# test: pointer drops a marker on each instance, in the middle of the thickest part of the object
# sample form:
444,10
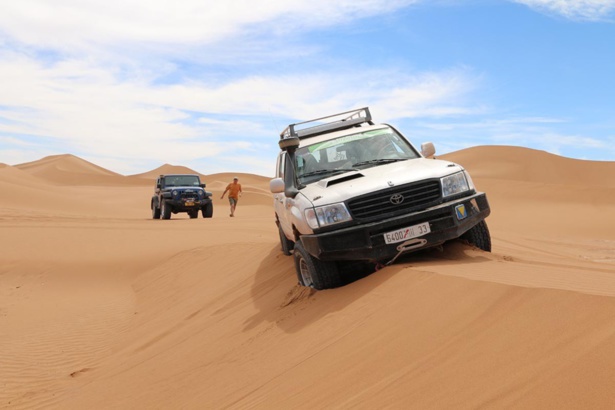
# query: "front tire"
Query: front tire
208,210
155,211
165,210
286,244
313,272
193,214
479,236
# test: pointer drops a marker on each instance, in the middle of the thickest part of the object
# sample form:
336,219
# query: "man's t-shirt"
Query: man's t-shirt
233,190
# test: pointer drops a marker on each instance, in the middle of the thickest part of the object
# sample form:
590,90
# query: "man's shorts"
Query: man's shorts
232,201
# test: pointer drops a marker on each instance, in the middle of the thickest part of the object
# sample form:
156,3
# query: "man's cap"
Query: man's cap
236,178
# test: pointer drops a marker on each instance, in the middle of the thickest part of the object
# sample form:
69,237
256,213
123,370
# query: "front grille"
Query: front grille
379,204
189,195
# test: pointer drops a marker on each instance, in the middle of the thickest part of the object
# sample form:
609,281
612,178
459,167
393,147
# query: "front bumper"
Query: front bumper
366,242
187,205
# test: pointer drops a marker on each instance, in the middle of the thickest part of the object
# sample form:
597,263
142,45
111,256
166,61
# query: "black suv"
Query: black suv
181,193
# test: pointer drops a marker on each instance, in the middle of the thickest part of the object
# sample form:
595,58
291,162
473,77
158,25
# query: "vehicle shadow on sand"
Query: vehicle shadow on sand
280,301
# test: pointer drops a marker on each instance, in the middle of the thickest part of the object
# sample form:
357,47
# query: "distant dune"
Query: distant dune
68,169
166,169
524,164
103,307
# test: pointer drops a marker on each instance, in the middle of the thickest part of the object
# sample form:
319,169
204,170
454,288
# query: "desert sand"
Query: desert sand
102,307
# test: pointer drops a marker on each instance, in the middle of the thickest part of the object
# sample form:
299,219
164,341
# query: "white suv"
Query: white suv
348,190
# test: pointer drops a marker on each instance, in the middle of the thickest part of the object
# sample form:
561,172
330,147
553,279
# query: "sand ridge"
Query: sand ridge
103,307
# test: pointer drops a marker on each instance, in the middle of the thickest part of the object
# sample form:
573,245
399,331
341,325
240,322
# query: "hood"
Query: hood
342,187
183,188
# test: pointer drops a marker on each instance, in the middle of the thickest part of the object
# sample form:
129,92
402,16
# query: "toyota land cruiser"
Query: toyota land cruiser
347,189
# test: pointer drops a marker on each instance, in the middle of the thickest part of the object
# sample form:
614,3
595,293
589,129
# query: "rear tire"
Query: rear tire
165,210
208,210
479,236
286,244
313,272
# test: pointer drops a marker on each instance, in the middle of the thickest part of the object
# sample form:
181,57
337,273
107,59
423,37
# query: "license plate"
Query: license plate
189,203
407,233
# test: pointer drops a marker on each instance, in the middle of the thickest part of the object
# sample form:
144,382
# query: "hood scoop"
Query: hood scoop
343,178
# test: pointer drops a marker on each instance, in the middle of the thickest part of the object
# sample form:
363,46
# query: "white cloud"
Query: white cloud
82,104
134,84
590,10
70,24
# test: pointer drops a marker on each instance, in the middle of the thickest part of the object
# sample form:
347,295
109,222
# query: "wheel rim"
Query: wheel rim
306,277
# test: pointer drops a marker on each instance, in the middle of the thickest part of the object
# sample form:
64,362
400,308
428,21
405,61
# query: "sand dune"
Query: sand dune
102,307
528,165
71,170
166,169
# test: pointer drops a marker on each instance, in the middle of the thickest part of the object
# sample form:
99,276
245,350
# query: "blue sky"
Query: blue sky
210,85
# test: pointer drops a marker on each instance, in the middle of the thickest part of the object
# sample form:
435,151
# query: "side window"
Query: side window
281,164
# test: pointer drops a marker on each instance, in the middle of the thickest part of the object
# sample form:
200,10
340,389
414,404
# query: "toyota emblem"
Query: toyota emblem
396,199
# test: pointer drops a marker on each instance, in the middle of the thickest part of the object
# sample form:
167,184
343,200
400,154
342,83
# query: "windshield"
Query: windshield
351,152
181,180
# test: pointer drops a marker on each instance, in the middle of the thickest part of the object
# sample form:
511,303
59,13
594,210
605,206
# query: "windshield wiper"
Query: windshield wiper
379,161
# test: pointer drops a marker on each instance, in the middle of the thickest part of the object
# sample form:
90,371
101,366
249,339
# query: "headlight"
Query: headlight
322,216
201,194
174,193
454,184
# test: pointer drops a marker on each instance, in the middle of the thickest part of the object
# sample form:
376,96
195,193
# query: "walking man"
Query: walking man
234,192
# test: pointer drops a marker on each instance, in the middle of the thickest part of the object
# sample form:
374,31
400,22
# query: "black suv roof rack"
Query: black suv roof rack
354,119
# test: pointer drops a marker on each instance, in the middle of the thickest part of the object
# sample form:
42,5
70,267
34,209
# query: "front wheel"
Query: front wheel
165,210
313,272
193,214
155,211
208,210
479,236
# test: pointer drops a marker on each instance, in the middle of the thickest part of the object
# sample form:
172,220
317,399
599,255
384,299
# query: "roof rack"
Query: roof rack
356,118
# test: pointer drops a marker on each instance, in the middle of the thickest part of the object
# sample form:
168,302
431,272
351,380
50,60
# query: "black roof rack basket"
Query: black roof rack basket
349,119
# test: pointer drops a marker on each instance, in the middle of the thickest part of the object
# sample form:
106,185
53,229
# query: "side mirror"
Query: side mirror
276,186
202,185
428,150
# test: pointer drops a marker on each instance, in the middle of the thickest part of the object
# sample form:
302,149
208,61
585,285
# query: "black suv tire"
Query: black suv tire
155,211
208,210
165,210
